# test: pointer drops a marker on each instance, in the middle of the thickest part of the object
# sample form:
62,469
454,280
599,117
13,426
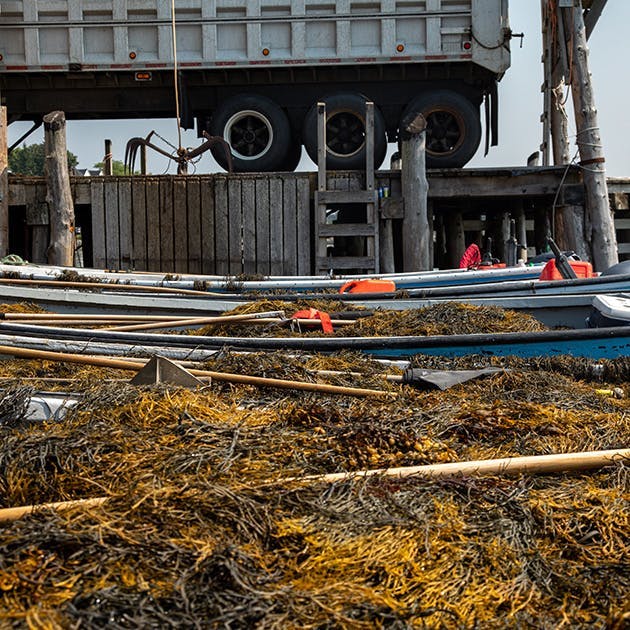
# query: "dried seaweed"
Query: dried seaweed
449,318
200,531
21,307
14,403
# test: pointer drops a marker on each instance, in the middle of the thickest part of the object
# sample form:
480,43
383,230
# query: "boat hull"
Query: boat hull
595,343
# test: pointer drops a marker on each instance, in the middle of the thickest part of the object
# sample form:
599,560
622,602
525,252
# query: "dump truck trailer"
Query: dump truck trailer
252,71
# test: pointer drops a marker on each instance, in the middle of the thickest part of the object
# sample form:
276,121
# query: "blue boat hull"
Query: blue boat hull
596,343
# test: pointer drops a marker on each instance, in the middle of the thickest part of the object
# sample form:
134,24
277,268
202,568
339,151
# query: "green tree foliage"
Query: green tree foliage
29,160
118,168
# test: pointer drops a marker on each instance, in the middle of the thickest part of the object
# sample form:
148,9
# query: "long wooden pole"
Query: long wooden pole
4,183
111,286
14,513
246,319
200,321
257,381
533,464
84,317
603,237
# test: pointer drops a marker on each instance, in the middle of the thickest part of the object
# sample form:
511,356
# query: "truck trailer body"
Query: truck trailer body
252,71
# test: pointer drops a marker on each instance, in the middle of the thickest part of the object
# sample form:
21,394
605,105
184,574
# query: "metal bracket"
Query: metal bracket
162,370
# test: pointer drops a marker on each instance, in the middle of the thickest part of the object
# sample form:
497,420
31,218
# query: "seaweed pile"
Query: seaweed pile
448,318
203,526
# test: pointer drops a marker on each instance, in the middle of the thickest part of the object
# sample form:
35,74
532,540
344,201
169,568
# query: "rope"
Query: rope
176,73
555,200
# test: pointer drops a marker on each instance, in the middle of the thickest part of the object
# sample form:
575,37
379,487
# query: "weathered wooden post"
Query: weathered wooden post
455,238
388,212
59,197
107,160
555,63
603,241
521,232
417,238
4,183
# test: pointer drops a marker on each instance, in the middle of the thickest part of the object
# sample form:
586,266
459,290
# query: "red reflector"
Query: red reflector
467,45
143,76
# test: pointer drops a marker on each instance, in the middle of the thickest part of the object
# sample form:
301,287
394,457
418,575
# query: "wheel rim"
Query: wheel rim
249,133
445,131
345,134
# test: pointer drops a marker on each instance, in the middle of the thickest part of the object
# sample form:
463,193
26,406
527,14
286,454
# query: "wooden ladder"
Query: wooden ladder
324,199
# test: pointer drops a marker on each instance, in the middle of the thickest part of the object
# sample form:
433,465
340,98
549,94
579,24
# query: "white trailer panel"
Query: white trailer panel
101,35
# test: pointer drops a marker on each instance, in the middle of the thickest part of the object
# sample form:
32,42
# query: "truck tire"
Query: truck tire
453,127
293,157
257,131
345,132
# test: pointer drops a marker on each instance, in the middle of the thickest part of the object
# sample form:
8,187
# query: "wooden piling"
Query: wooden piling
59,197
417,238
603,238
455,239
107,160
570,230
4,183
521,232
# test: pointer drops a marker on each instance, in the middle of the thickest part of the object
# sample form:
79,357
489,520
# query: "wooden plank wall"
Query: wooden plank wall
244,224
219,224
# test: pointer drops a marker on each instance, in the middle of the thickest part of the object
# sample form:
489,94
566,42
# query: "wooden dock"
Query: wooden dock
263,223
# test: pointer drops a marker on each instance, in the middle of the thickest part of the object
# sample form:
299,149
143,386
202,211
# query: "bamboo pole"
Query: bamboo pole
8,515
109,286
257,381
533,464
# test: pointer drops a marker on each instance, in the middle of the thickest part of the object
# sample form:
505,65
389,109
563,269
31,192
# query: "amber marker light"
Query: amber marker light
266,52
132,55
400,47
143,76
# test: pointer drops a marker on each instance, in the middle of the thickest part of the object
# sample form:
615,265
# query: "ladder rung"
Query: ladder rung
345,196
346,229
346,262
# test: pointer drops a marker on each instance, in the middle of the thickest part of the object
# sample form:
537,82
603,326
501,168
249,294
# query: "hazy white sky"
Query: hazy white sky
519,91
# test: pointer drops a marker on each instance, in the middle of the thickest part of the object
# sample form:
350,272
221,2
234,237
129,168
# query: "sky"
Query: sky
520,102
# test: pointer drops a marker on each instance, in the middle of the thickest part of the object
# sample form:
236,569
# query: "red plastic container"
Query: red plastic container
582,268
370,285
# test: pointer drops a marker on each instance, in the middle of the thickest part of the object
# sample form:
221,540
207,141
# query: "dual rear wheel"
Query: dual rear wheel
261,138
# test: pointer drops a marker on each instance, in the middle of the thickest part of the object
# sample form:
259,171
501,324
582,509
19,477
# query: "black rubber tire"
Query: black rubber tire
453,127
345,117
257,131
